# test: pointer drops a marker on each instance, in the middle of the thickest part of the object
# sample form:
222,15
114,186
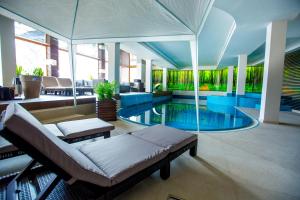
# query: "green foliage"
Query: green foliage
210,80
105,90
254,78
157,75
19,70
38,71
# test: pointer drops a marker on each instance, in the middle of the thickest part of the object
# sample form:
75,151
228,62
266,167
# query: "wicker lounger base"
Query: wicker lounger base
90,191
67,91
58,91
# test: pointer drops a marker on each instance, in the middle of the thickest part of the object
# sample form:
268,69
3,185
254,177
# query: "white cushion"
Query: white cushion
165,136
122,156
54,130
84,127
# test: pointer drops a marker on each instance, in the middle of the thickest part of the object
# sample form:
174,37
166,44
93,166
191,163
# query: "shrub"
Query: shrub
105,90
38,72
19,70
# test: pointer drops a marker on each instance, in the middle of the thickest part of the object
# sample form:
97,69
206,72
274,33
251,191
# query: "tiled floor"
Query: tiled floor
258,163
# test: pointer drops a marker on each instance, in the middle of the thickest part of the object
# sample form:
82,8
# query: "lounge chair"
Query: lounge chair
62,86
50,85
69,131
67,83
101,169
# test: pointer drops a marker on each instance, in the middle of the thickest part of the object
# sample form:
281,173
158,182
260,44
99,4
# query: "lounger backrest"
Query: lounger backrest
49,81
64,82
24,125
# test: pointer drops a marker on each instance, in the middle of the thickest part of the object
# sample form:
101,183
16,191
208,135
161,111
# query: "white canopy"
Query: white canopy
163,26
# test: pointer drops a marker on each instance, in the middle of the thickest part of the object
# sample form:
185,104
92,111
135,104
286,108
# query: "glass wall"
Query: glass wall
64,61
31,49
129,70
87,62
30,55
135,68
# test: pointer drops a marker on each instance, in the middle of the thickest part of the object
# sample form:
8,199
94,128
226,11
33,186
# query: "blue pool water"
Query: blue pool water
183,116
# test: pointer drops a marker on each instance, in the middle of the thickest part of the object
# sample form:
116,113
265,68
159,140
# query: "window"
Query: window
30,48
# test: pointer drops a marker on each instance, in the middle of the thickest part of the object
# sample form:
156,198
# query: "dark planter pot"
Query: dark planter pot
106,110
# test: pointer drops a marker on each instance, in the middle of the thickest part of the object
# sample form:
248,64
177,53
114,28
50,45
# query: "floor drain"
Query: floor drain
172,197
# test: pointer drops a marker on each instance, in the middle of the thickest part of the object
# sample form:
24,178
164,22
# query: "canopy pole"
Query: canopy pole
194,53
72,58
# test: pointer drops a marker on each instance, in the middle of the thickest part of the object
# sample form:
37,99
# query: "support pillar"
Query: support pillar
52,55
7,51
101,62
241,77
148,77
164,80
230,80
273,72
142,64
114,64
72,58
194,53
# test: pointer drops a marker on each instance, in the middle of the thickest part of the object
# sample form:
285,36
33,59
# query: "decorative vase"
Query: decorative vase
31,86
107,109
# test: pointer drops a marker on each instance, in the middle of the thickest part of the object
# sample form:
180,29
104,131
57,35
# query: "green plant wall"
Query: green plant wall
210,80
254,78
157,76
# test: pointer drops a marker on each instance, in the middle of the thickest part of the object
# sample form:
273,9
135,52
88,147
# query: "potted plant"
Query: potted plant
106,105
31,84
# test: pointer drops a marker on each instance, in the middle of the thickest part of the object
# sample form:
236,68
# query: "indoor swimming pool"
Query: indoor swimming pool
183,115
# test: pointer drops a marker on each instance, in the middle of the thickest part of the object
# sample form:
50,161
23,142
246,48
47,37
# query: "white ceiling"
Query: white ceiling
143,53
225,29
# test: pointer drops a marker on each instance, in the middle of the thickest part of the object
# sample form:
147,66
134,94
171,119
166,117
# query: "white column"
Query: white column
194,54
273,71
114,64
72,60
241,77
7,51
165,76
148,78
230,80
142,63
